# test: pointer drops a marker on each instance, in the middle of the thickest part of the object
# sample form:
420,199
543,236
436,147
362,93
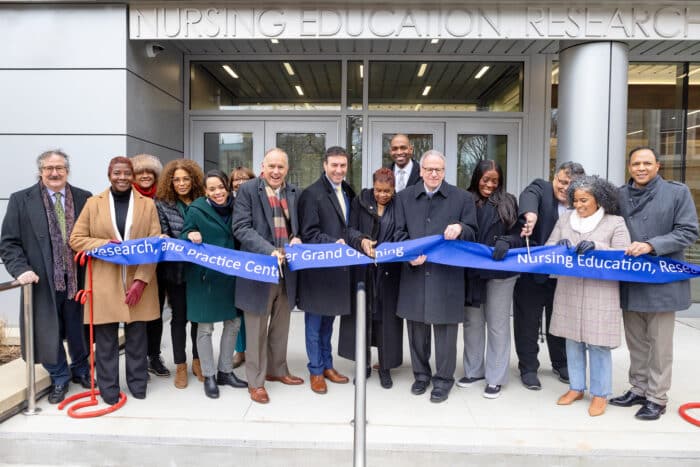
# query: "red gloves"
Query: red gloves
133,295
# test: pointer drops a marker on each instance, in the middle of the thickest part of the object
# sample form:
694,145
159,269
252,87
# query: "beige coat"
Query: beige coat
588,310
95,227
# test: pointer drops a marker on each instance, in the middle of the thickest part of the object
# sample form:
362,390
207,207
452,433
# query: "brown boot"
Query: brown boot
570,397
197,370
181,375
597,406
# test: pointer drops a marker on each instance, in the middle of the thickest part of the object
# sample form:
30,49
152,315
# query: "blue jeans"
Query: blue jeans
601,367
319,330
70,328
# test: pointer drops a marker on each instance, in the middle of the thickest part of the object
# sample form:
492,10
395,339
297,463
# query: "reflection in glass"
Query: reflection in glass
356,74
225,151
354,177
421,142
446,86
473,148
265,85
305,151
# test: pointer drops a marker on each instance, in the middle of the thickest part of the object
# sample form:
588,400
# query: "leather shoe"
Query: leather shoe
286,379
597,406
230,379
334,376
83,380
58,393
259,395
210,387
570,397
419,387
385,379
439,395
650,411
628,399
318,384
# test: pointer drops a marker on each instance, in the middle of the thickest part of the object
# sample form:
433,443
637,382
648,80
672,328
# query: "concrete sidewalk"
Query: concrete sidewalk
298,427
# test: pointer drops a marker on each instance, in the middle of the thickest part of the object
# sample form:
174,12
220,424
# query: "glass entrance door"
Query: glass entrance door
227,144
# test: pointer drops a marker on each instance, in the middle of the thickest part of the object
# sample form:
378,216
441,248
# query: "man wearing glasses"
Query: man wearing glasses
406,169
540,205
431,296
34,248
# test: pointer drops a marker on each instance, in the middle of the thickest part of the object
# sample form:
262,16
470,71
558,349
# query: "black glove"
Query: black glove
500,249
565,242
584,246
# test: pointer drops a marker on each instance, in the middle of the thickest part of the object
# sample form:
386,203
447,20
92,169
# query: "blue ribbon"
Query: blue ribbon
553,260
253,266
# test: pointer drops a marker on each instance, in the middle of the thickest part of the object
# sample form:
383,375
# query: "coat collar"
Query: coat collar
419,190
208,210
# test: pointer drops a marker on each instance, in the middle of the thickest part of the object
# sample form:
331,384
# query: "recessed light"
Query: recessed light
426,90
362,71
230,71
481,72
299,90
435,41
274,41
288,67
421,69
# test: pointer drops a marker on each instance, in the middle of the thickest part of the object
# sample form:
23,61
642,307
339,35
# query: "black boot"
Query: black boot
230,379
210,387
385,378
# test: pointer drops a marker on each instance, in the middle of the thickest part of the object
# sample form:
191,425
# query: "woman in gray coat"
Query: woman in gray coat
587,311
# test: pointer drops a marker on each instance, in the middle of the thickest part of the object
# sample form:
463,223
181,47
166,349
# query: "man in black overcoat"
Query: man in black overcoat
264,220
431,296
324,212
539,206
34,248
406,169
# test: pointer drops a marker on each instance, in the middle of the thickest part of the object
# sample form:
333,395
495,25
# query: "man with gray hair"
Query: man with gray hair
34,248
540,205
431,296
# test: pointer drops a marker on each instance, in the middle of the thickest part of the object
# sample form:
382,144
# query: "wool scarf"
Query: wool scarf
63,265
280,215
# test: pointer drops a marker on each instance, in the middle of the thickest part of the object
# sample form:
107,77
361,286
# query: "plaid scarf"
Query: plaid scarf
63,265
280,215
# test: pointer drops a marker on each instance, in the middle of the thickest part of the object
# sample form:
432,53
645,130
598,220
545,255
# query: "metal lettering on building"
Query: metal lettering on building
434,22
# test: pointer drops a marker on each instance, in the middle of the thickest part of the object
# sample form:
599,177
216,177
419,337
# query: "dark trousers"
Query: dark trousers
319,330
154,328
419,341
70,328
177,297
107,359
529,297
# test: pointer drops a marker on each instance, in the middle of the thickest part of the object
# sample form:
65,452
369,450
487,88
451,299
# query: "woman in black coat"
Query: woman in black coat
489,292
372,214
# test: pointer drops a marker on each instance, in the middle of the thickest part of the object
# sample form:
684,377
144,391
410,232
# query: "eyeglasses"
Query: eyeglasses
50,168
435,171
182,180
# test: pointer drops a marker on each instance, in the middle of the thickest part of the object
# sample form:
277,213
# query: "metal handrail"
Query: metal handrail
27,316
359,452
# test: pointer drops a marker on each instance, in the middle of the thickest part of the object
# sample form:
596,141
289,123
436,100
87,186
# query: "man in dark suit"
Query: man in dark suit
406,169
264,220
540,205
324,212
34,248
431,296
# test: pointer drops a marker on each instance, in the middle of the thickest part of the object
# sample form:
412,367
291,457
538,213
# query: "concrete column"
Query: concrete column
593,107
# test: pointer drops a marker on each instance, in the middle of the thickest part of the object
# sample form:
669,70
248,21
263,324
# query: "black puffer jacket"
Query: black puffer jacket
171,221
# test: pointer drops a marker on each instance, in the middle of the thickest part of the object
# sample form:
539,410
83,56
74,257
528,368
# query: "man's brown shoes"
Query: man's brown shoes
335,377
318,384
286,379
259,395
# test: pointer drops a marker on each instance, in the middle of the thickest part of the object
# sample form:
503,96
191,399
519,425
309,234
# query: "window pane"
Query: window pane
305,151
356,74
354,177
226,151
473,148
692,160
420,143
446,86
265,85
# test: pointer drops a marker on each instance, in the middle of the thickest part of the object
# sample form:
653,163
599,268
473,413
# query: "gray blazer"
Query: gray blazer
253,227
662,214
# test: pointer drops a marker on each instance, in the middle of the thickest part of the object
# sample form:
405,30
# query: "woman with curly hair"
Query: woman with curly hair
181,183
587,312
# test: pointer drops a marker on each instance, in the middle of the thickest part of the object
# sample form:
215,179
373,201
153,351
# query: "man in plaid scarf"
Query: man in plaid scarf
264,220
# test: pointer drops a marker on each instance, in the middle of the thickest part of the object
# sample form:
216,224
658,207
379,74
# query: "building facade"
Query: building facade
526,84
